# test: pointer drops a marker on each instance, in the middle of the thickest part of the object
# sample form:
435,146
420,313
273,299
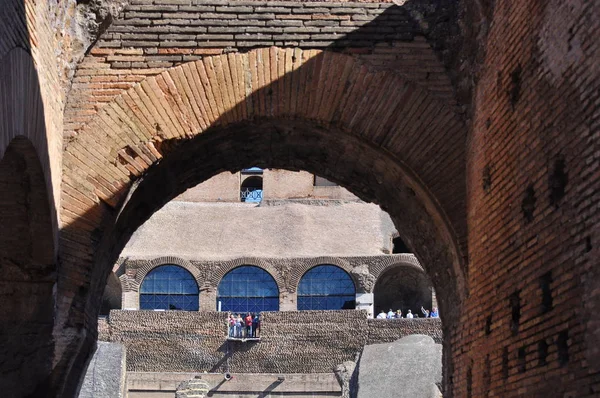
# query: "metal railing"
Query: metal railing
243,332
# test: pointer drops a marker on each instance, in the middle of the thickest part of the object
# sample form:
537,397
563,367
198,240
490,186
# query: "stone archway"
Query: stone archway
317,111
403,287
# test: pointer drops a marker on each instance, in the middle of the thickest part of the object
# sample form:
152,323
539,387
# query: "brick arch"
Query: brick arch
227,266
397,260
148,265
298,272
375,133
410,291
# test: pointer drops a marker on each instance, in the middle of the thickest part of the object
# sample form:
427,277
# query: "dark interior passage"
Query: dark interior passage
28,271
404,288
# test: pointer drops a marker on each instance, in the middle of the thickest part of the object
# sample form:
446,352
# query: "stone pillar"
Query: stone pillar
434,303
130,300
365,301
208,298
365,282
288,301
105,376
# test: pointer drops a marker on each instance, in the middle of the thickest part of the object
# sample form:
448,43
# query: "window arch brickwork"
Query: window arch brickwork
215,276
295,274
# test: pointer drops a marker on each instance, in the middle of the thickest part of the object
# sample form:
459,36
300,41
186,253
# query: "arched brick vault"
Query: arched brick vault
404,259
373,132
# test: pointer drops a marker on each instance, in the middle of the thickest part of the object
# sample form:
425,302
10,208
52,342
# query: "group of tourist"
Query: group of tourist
398,314
248,326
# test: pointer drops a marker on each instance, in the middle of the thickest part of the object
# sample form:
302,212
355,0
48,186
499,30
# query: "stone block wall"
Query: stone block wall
291,342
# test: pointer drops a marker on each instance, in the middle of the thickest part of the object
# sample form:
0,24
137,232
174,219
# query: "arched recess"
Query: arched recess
404,287
29,188
384,139
27,280
22,115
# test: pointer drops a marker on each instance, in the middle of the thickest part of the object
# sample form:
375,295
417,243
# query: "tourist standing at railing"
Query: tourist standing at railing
381,315
425,312
390,314
409,314
434,313
231,323
398,314
248,321
239,322
255,326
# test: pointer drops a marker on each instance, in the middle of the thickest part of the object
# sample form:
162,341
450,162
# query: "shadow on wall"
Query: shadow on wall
322,112
27,231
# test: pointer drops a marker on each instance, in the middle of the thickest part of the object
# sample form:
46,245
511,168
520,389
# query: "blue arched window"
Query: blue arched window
248,289
169,287
326,287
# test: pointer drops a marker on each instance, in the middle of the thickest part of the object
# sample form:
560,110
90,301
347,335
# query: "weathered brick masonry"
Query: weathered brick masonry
260,111
522,321
531,325
291,342
149,38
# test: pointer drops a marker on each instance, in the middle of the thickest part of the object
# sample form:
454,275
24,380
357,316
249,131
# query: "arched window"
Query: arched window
248,289
251,190
169,287
326,287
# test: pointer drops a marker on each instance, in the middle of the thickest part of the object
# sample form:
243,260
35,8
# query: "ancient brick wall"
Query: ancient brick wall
530,327
387,330
151,36
291,342
31,109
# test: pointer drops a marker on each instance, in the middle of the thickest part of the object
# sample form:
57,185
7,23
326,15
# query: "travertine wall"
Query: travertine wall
278,229
277,184
291,342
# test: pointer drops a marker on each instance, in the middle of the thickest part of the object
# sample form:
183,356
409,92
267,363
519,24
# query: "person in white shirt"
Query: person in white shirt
409,314
381,315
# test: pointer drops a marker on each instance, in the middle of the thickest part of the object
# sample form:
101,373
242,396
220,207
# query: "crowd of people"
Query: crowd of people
244,327
398,314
